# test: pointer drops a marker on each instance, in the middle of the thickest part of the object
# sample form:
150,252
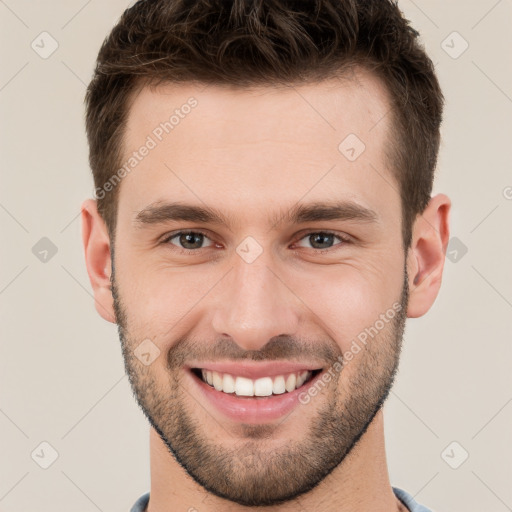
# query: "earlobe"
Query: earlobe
96,243
426,256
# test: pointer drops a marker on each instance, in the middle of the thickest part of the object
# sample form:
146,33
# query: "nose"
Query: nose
255,305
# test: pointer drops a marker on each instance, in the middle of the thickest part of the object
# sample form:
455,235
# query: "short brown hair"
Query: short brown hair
246,43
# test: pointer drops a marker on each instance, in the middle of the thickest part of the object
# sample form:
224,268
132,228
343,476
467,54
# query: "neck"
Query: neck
360,483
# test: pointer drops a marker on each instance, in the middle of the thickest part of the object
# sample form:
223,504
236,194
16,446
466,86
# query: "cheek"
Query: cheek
345,301
159,301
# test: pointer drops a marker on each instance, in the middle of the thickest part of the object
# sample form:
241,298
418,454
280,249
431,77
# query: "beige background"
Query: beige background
61,370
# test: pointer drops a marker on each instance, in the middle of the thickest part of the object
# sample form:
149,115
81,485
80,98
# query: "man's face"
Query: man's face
300,290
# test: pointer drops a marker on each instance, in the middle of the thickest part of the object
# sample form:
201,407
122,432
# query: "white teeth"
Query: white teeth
264,386
279,386
243,386
291,382
302,378
228,384
217,381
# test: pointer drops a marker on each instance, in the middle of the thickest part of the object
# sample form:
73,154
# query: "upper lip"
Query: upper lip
255,370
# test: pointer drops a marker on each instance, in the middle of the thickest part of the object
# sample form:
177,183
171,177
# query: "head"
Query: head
263,176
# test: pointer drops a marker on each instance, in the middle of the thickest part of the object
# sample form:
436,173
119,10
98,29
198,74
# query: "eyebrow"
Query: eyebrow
160,212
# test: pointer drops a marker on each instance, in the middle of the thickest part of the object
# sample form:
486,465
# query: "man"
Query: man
263,226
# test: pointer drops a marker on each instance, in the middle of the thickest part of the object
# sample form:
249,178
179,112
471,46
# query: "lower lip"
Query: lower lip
256,410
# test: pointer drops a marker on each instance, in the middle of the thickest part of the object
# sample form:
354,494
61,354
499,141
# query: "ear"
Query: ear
426,256
97,257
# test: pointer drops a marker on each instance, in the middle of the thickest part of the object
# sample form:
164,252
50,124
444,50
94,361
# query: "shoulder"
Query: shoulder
141,504
409,501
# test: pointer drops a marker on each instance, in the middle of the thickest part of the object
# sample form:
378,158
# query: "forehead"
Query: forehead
247,149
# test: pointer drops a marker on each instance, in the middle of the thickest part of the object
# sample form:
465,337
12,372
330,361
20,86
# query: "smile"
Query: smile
264,386
258,400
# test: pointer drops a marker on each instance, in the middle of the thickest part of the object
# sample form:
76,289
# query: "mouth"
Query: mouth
260,388
254,393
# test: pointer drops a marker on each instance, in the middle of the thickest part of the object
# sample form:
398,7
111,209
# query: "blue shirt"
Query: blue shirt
403,496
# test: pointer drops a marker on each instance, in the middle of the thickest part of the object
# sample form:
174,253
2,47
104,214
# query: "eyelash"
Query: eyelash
343,238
